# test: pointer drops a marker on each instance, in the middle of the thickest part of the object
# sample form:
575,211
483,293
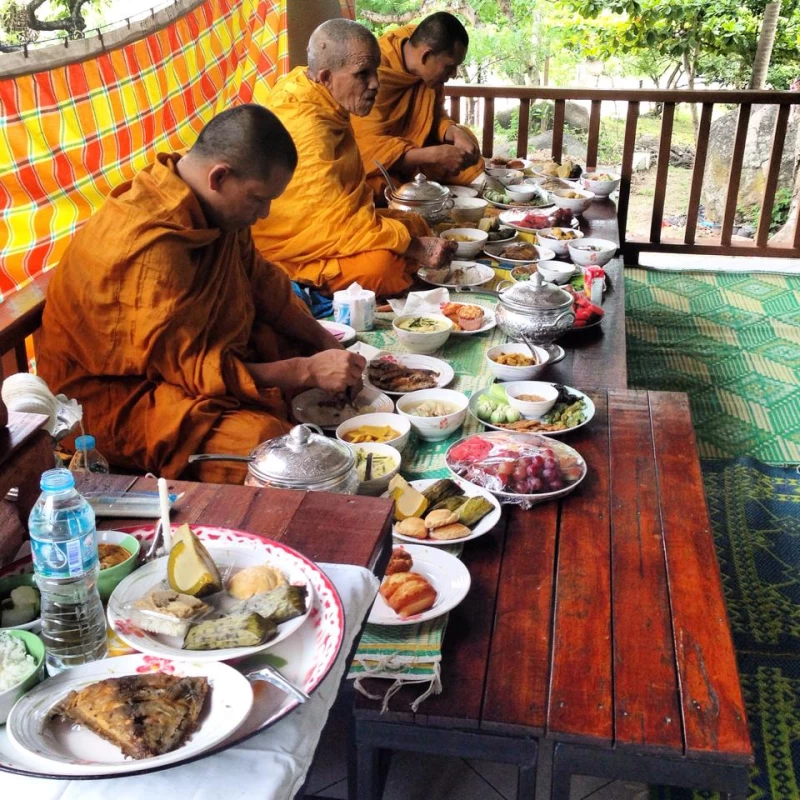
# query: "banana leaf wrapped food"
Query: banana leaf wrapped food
235,630
281,604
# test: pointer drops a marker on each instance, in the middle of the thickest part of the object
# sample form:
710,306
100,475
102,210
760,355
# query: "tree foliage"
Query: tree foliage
24,22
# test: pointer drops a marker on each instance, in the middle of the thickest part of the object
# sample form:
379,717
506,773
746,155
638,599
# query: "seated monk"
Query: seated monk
324,230
408,130
166,324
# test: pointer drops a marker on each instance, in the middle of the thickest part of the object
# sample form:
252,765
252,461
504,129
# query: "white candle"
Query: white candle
166,528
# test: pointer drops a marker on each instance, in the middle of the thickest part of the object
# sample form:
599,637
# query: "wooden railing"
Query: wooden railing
632,246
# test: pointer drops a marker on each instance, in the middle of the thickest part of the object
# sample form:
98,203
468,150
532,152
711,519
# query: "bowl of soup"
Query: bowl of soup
470,241
434,414
117,553
422,333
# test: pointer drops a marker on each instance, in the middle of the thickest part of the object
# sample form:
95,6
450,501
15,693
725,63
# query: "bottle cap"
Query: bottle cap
56,480
85,442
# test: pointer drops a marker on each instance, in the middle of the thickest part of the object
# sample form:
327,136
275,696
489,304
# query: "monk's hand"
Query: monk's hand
464,142
431,251
449,158
336,370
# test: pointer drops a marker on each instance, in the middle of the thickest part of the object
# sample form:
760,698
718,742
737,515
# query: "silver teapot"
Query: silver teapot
427,198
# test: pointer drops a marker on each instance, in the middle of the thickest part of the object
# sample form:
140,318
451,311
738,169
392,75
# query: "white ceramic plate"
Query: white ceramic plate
482,274
230,559
495,250
515,440
305,658
306,407
489,322
470,490
589,412
445,573
413,361
512,216
76,750
344,333
528,206
461,191
527,164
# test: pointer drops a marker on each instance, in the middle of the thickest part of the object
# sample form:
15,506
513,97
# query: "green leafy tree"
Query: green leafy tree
24,22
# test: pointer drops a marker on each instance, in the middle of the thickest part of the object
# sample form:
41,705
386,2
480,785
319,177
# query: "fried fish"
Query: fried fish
144,715
392,377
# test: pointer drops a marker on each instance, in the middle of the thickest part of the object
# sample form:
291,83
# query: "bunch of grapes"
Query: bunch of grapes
508,471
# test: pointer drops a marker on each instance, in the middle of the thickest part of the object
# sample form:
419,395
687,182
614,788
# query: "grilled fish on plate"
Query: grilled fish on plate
144,715
393,377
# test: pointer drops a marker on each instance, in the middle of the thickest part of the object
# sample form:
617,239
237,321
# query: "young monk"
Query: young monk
408,130
324,230
166,324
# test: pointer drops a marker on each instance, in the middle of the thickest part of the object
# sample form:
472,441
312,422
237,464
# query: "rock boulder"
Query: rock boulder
572,145
756,159
576,116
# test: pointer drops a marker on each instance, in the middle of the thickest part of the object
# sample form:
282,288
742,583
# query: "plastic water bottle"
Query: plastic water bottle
65,562
87,458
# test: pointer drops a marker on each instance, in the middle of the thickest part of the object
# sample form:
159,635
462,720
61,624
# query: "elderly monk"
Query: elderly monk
324,231
408,130
167,325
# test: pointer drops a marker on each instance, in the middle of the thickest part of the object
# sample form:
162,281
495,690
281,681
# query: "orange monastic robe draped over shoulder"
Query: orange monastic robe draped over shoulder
324,229
150,318
407,114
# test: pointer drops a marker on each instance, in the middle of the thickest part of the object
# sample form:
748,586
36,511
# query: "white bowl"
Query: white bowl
434,429
556,271
530,408
577,205
422,342
467,250
507,177
462,191
522,192
558,246
585,258
468,209
394,421
505,372
600,188
377,486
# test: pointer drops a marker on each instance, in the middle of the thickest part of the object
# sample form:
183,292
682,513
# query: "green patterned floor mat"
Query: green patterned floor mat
755,516
732,342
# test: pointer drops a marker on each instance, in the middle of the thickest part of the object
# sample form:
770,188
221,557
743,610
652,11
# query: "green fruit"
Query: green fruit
498,416
512,415
484,411
497,393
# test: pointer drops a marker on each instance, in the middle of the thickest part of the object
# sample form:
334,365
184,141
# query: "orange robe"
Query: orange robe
149,320
324,230
407,114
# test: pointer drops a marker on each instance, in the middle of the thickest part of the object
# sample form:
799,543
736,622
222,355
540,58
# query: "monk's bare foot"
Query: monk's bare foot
431,251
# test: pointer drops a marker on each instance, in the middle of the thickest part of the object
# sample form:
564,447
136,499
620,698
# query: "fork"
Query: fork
271,675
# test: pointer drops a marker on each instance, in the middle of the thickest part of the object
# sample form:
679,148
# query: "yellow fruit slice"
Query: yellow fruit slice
190,568
408,502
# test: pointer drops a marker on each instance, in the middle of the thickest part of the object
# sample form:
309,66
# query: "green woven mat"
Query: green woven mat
755,517
732,342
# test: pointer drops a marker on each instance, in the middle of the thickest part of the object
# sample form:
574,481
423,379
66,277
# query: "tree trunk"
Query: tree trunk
766,40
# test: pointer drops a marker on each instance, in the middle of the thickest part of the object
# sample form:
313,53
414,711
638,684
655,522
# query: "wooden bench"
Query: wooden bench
597,623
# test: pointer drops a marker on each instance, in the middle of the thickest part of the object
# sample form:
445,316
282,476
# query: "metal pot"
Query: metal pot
427,198
534,310
301,459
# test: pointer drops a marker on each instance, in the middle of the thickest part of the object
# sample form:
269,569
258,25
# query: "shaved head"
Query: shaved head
335,44
250,139
441,32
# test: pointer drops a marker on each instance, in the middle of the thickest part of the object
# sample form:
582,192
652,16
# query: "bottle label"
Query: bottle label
69,559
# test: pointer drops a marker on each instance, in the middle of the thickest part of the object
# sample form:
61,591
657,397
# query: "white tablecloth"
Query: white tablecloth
270,766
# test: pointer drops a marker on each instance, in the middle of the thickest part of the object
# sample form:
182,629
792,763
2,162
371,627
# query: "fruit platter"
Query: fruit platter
587,314
526,221
517,468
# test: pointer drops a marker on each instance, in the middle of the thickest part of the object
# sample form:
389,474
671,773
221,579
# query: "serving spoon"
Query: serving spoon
271,675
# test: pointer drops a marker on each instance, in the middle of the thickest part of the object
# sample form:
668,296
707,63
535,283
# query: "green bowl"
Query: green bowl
110,578
12,582
35,647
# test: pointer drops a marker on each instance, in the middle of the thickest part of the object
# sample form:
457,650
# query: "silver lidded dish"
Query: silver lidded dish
427,198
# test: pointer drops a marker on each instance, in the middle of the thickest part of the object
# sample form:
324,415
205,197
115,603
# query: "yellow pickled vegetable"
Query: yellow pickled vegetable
370,433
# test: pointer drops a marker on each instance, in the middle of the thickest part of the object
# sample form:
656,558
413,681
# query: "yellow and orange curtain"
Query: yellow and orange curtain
70,134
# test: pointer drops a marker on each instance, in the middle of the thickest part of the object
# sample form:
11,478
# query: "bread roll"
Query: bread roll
453,531
412,526
400,561
408,593
442,516
255,580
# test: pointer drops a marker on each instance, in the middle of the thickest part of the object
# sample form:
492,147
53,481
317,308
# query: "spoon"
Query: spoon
271,675
386,175
530,347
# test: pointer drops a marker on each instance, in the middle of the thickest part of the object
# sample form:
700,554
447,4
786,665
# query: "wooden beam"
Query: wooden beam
698,172
455,109
594,136
662,171
522,128
627,170
735,176
773,172
488,127
558,129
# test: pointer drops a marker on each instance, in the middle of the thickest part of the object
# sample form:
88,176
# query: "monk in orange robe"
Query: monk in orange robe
408,130
324,230
166,324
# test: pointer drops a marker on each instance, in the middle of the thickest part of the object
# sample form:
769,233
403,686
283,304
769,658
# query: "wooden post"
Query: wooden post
698,171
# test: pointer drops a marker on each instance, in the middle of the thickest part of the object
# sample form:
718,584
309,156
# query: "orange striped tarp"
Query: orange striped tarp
70,134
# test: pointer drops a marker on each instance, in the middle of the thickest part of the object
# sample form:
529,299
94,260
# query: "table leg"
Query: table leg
561,776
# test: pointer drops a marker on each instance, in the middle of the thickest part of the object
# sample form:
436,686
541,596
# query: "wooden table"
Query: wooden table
324,527
598,621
